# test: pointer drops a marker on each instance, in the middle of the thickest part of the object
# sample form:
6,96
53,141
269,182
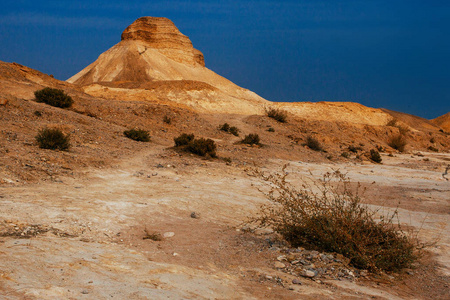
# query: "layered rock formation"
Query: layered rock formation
162,34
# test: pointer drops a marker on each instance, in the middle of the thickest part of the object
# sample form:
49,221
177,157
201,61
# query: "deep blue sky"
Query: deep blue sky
381,53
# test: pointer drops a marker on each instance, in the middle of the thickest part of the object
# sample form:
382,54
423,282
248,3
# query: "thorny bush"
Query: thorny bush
328,215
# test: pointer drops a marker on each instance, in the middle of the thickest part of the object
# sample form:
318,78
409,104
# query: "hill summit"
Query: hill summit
162,34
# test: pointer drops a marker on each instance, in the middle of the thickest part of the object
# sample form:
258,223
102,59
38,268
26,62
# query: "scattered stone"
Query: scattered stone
279,265
296,281
195,215
3,101
281,258
308,273
175,254
168,234
85,292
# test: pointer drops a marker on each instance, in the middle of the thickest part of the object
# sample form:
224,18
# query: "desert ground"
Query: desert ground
114,218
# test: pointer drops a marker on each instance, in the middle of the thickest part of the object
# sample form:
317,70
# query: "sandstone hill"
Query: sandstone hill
443,121
154,60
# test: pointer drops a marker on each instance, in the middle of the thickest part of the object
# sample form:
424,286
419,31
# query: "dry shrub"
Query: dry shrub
53,138
183,139
313,143
375,156
54,97
354,149
277,114
139,135
328,215
251,139
202,147
167,120
229,129
398,142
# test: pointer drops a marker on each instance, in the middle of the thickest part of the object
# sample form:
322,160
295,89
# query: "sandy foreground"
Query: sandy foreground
82,237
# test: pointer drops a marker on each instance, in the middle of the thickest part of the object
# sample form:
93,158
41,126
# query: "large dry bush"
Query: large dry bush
54,97
398,142
277,114
53,138
328,215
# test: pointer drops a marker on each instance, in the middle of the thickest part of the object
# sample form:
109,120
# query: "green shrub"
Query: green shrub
328,215
251,139
313,144
52,138
398,142
183,139
202,147
54,97
137,135
277,114
375,156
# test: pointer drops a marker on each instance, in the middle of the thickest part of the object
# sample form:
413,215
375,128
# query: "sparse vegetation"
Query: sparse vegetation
251,139
183,139
229,129
54,97
398,142
277,114
313,143
201,146
345,154
136,134
434,149
375,156
225,127
154,236
167,120
234,130
37,113
328,215
354,149
392,123
53,138
271,129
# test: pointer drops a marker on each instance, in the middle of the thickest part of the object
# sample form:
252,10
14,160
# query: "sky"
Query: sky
380,53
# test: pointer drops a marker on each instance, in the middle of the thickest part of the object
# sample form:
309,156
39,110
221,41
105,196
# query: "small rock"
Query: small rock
279,265
308,273
175,254
168,234
296,281
85,292
3,101
195,215
269,277
281,257
159,166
